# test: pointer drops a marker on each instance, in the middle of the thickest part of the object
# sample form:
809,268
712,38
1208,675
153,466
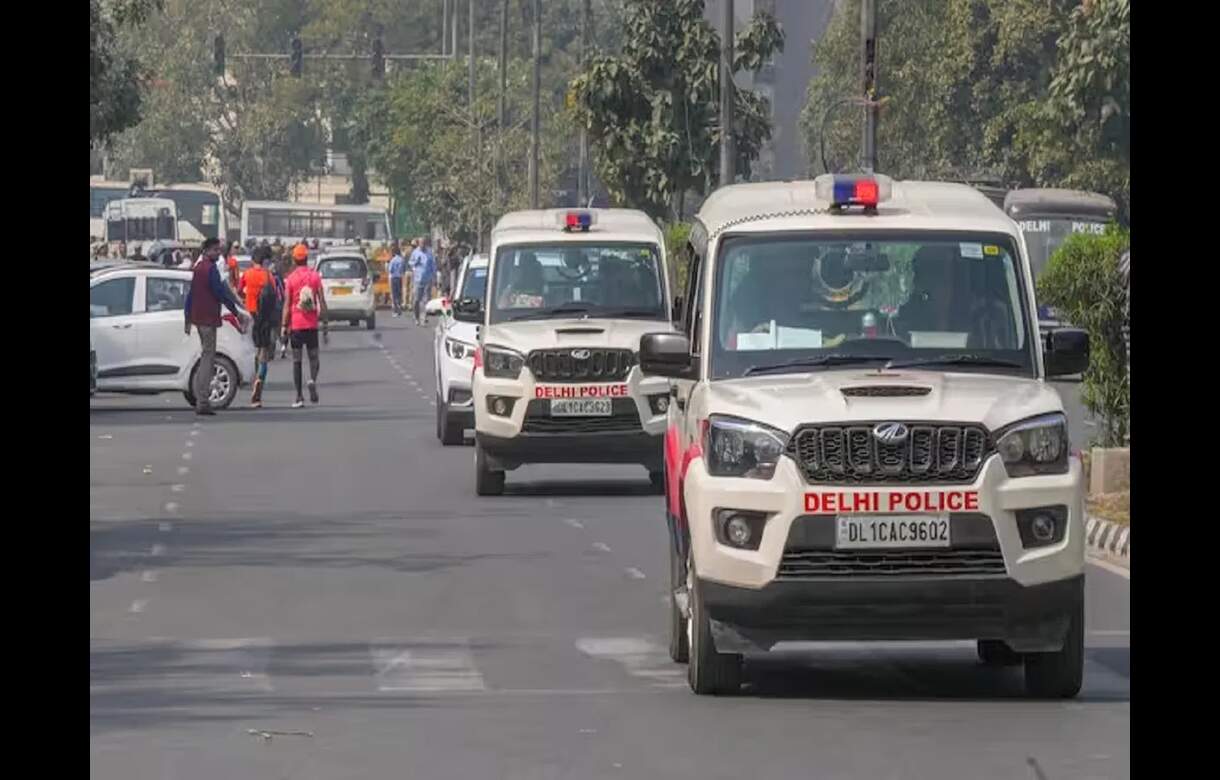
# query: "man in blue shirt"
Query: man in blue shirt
398,267
423,272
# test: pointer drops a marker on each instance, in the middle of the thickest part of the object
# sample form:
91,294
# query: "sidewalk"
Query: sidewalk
1110,539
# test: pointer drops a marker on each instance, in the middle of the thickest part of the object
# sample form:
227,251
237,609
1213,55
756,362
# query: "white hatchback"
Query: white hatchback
349,287
454,348
136,325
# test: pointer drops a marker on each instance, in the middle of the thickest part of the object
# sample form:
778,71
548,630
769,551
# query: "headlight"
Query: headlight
1035,446
458,350
502,363
733,447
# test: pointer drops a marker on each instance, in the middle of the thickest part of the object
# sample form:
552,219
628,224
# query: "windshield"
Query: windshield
346,268
949,298
1044,236
475,283
578,279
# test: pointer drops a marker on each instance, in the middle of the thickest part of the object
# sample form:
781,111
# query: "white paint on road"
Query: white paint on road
194,432
177,487
138,606
572,522
187,456
426,667
171,506
601,546
184,470
190,443
148,576
157,549
640,657
634,573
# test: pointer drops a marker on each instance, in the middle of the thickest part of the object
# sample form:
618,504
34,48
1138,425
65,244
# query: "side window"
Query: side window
164,293
694,300
112,298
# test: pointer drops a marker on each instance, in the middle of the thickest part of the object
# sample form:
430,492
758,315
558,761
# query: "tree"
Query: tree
115,74
652,111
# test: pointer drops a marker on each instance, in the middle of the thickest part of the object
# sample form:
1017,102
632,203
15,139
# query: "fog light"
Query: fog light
1043,528
737,530
662,404
499,407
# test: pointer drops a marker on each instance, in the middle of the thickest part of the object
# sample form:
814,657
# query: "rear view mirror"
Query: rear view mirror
668,355
468,310
1066,352
867,260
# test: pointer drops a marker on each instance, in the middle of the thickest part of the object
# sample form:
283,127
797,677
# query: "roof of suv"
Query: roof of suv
547,225
794,205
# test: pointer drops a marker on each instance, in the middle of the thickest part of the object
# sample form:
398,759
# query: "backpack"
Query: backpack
305,301
269,300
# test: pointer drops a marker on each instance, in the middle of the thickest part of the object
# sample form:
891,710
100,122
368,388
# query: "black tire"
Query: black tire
994,652
371,322
440,418
486,481
1058,675
679,642
220,365
451,430
708,672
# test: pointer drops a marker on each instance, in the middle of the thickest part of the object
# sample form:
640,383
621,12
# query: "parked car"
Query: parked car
136,327
454,348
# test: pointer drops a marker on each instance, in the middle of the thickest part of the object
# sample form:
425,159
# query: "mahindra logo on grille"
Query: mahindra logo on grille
581,354
890,433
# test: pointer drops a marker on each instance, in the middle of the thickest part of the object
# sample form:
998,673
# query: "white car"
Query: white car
136,325
454,348
569,295
348,283
862,444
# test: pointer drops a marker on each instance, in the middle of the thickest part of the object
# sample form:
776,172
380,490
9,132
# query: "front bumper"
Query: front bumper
1032,618
507,453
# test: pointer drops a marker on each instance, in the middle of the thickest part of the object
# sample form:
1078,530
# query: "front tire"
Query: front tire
440,417
679,644
1058,675
709,672
487,482
371,322
224,383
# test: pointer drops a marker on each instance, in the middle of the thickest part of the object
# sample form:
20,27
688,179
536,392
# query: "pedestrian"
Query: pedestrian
203,300
398,268
423,271
263,301
231,264
305,307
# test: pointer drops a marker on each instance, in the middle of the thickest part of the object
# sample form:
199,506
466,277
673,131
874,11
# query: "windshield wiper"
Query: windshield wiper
552,312
956,360
628,312
821,360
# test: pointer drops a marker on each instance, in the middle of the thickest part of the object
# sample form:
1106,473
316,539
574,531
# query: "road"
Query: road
318,594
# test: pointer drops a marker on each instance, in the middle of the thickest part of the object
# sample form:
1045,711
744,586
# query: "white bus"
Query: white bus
201,211
140,220
330,224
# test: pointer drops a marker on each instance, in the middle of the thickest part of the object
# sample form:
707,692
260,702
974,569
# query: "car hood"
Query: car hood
557,333
862,395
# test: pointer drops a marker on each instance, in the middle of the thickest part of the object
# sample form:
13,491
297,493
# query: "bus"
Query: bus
1047,217
330,224
200,207
140,220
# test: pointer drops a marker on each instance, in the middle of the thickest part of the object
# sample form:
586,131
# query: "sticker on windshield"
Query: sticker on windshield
991,249
938,339
974,251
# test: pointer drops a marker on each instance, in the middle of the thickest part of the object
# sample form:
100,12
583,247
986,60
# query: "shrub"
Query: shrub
676,236
1083,282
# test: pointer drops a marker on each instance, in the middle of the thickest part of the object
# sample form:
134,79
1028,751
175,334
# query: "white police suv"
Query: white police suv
454,348
862,444
556,378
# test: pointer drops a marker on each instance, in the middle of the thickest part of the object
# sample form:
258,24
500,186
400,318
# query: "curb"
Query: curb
1109,538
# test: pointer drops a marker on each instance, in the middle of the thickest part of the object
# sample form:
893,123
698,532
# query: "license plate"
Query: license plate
340,291
580,407
855,532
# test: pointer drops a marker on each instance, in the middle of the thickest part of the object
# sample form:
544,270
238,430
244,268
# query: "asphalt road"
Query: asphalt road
318,593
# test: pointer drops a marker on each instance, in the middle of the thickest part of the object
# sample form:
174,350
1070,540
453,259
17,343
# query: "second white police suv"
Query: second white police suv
862,445
556,376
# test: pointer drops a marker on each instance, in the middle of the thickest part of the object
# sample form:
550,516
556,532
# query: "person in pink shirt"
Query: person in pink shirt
305,310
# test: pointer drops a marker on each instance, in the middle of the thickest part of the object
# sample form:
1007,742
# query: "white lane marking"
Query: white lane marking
157,549
190,442
171,506
441,666
194,425
601,546
640,657
165,527
574,523
106,437
186,456
194,432
177,487
138,605
183,470
148,576
147,469
634,573
1111,632
1121,571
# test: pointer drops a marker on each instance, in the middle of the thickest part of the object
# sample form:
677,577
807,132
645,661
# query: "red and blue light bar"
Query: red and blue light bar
866,190
577,220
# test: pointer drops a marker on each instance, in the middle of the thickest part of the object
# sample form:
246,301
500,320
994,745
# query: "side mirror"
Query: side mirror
677,310
1066,352
668,355
468,310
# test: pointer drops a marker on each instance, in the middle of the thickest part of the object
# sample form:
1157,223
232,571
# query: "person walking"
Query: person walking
263,302
398,268
305,307
423,271
203,300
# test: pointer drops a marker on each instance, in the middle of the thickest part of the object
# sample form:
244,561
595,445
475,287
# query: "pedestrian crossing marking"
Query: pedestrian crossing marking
640,657
426,667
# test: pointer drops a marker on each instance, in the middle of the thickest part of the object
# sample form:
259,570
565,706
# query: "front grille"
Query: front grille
851,454
562,365
624,418
885,391
814,564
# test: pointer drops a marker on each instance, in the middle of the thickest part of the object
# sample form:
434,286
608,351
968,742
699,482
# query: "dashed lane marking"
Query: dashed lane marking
573,522
601,546
138,606
634,573
423,666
